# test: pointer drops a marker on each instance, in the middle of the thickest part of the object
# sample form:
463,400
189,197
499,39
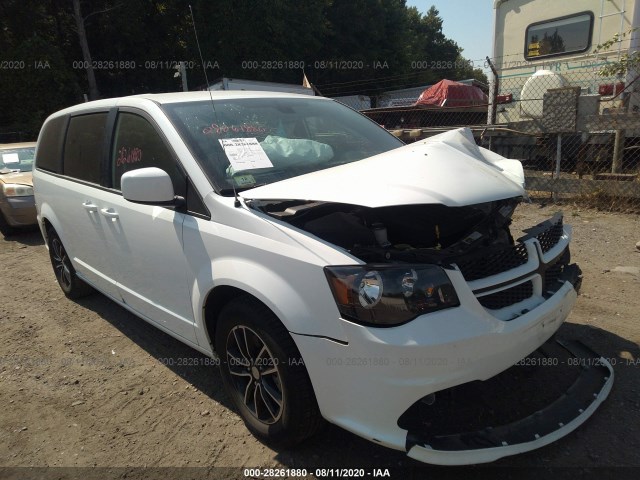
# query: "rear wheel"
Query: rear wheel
71,285
264,375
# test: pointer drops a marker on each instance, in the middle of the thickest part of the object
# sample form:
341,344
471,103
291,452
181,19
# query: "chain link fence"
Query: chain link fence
576,133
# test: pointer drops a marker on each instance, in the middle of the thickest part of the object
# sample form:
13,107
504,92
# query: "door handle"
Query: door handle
109,213
90,207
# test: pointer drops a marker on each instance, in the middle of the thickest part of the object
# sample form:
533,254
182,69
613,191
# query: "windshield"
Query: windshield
243,143
17,159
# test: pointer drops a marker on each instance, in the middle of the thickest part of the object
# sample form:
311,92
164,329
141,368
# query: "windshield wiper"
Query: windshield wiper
227,192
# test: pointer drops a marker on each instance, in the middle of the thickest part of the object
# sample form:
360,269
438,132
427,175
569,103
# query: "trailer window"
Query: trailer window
559,36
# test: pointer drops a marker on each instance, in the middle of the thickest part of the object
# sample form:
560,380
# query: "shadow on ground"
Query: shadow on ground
608,439
28,236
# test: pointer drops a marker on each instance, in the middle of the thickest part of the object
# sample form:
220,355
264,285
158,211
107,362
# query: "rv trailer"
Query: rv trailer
549,57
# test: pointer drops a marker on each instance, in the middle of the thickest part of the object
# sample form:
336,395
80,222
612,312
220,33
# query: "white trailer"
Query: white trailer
226,83
542,44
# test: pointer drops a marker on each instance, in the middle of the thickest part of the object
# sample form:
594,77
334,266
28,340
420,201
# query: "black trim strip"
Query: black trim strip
323,337
109,129
77,180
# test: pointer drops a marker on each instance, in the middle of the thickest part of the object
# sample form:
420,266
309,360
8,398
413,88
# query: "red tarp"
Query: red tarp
447,93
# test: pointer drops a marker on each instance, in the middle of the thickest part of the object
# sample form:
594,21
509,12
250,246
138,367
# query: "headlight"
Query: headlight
389,295
16,190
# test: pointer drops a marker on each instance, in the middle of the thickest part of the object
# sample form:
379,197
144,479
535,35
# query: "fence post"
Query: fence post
494,87
557,172
618,151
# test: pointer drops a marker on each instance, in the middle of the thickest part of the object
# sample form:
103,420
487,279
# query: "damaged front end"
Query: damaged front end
401,244
436,291
427,260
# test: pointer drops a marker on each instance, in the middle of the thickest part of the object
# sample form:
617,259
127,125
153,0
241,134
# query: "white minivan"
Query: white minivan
337,273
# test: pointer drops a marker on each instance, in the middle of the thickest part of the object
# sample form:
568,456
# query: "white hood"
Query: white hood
449,169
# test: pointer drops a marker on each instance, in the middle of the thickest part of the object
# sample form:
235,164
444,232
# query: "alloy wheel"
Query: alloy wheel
61,264
255,374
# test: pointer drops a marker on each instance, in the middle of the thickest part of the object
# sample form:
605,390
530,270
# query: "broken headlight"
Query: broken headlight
389,295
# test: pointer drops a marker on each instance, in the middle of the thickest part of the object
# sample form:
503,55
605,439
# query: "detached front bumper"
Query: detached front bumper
542,427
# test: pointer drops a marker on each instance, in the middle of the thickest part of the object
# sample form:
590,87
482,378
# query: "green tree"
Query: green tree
140,43
349,46
367,43
34,43
429,45
237,34
629,60
440,57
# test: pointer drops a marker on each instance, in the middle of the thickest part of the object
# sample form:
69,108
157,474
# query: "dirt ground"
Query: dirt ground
88,384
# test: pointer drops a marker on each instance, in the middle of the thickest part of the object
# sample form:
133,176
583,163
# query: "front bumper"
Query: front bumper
368,384
19,211
541,427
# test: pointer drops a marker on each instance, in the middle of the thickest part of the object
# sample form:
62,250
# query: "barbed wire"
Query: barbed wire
354,85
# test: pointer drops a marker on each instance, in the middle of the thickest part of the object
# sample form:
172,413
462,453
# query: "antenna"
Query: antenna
236,203
193,22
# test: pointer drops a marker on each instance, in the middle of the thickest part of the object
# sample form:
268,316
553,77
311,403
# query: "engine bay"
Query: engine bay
432,233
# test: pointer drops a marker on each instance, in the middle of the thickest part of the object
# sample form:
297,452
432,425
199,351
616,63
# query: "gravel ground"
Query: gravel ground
86,383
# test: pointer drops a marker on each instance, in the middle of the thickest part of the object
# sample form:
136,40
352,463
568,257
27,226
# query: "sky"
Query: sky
468,22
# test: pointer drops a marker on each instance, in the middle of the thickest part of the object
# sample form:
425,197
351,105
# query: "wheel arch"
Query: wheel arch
46,226
217,298
48,220
297,305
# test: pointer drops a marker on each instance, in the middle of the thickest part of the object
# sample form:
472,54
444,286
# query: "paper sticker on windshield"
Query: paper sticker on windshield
10,158
245,153
244,180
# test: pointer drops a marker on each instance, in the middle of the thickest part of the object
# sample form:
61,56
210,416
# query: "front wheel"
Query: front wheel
264,375
71,285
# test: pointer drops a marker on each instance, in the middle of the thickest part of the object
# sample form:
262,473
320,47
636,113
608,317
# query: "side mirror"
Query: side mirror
151,186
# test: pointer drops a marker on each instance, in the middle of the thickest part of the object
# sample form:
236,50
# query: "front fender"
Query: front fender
303,302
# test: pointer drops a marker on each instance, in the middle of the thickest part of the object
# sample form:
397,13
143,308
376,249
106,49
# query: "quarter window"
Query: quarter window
50,146
560,36
83,147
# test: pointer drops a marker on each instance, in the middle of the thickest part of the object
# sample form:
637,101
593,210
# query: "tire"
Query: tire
264,375
72,286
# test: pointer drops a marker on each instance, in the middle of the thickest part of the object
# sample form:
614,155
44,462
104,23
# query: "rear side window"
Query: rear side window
137,144
559,36
83,147
50,145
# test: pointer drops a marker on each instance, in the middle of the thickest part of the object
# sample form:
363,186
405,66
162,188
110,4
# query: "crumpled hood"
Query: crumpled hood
449,169
23,178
